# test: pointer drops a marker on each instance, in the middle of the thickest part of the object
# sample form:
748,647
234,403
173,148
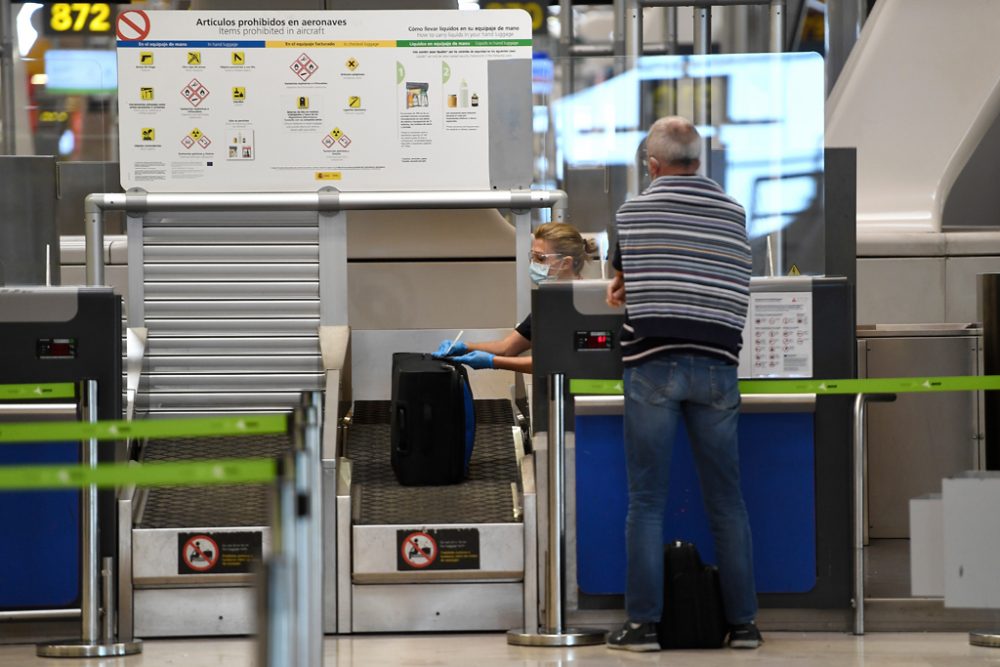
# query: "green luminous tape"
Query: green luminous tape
31,392
151,428
189,473
826,387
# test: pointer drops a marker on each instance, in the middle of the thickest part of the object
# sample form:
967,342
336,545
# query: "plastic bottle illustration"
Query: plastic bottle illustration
463,94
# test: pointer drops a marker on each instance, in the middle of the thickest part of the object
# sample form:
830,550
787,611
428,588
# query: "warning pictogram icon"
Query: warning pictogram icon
239,93
336,133
194,57
194,92
352,64
328,141
148,134
204,142
239,58
200,553
301,102
187,141
304,67
354,102
146,93
145,57
344,141
419,550
195,134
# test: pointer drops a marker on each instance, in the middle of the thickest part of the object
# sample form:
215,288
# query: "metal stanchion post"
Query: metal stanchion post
91,643
553,632
275,608
308,534
859,503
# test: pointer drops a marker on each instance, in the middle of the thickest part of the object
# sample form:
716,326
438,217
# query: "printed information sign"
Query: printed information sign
224,101
778,341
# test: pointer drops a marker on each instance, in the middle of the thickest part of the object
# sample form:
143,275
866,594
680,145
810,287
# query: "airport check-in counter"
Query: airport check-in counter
795,450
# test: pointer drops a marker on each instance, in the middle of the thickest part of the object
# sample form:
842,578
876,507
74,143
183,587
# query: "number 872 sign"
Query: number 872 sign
61,18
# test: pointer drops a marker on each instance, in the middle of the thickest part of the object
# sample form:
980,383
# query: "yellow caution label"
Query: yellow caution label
239,93
301,102
336,133
195,134
239,58
327,175
794,271
145,57
148,134
194,57
146,93
352,64
354,102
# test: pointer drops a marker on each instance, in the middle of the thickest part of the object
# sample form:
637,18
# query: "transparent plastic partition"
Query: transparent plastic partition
764,130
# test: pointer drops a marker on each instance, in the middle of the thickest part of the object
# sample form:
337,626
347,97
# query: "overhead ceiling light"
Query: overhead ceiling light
26,33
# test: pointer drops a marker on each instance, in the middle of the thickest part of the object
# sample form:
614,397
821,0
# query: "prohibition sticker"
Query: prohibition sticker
132,25
200,553
418,550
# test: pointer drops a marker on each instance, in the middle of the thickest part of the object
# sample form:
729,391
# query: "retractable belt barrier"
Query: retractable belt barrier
191,473
30,392
826,387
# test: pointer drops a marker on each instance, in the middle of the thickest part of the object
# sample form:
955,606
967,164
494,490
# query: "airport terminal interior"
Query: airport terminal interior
233,232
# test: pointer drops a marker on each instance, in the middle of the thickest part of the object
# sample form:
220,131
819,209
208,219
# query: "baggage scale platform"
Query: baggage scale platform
431,557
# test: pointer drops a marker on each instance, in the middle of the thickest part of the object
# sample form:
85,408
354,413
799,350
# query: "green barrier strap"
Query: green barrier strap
31,392
825,387
190,473
150,428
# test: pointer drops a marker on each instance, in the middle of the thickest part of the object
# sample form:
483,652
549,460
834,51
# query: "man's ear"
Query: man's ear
654,168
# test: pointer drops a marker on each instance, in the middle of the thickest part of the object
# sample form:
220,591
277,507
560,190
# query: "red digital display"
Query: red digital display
593,340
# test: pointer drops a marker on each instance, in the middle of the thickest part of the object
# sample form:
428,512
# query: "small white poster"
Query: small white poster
778,340
237,101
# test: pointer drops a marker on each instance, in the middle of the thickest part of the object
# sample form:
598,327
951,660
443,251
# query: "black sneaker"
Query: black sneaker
745,635
635,637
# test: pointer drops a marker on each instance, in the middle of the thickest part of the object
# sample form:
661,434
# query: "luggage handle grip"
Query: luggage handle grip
401,445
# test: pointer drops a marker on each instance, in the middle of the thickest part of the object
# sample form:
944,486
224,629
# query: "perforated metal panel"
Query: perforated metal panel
485,497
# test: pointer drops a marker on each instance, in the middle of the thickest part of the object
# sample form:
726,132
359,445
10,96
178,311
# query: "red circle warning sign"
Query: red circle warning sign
200,553
419,550
132,25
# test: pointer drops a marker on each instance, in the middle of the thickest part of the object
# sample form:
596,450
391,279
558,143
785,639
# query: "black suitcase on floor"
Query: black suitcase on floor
693,615
431,419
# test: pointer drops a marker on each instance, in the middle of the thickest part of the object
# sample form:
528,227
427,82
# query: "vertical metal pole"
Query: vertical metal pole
93,229
108,595
703,85
776,239
522,281
859,514
90,593
7,76
632,25
276,612
557,447
313,523
843,27
670,35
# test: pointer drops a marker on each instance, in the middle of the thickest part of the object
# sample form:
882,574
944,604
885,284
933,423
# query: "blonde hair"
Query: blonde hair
566,240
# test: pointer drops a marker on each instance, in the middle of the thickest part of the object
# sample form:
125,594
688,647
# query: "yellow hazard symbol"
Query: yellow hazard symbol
195,134
239,58
194,57
239,93
794,271
146,93
327,175
148,134
336,133
301,102
352,64
354,102
145,57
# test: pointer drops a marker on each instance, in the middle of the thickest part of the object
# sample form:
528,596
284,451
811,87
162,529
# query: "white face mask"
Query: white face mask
539,272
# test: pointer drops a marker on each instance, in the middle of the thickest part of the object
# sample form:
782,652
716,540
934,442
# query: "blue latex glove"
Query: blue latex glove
476,359
460,348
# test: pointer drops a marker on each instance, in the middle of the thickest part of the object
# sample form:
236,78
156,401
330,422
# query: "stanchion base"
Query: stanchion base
989,639
568,637
81,649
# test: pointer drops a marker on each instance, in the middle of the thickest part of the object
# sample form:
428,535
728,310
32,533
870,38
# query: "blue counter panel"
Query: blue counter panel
778,476
40,547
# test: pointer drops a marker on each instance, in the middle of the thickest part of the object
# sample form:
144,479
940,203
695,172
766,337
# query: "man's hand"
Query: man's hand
476,359
616,290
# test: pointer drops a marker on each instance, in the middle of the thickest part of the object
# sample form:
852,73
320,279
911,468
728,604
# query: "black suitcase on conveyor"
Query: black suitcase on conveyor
693,615
432,420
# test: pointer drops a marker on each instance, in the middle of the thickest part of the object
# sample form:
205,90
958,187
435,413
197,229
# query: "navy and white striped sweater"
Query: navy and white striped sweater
682,245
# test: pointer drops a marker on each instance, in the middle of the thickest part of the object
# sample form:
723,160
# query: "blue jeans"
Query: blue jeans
705,391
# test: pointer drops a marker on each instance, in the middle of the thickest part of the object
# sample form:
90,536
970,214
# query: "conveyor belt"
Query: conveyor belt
210,506
485,497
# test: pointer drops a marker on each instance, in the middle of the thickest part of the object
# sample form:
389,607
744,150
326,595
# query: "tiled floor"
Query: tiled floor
485,650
